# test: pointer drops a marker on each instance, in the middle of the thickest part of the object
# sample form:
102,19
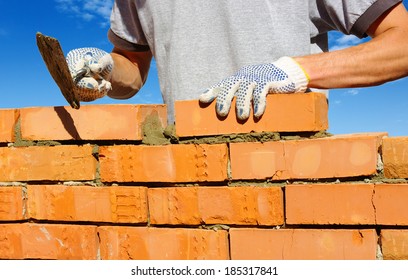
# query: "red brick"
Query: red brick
284,113
391,204
8,119
47,163
162,243
169,163
12,204
328,204
303,244
395,157
216,205
92,122
394,244
84,203
43,241
330,157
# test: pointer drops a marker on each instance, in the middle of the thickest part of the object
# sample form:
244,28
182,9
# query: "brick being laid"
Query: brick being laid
296,112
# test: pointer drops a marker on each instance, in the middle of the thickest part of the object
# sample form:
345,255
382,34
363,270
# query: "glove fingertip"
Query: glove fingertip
242,113
259,111
208,96
222,109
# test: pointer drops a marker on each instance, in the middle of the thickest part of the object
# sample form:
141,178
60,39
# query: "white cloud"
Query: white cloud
353,91
100,7
87,10
344,41
348,40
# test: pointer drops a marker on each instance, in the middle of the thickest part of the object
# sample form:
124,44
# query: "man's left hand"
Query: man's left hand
253,83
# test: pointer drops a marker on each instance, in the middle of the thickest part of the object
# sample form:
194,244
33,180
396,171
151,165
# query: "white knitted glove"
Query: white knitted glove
253,83
91,70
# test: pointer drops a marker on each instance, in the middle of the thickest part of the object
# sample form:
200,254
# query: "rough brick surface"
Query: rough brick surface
83,203
330,157
47,163
303,244
92,122
284,113
42,241
216,205
391,204
328,204
169,163
394,244
395,157
12,203
8,119
162,243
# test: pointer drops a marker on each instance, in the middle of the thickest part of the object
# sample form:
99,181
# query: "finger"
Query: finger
244,97
107,66
104,86
88,83
88,89
259,99
226,95
102,66
79,75
209,95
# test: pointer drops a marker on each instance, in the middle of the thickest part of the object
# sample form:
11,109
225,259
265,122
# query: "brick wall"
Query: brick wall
112,182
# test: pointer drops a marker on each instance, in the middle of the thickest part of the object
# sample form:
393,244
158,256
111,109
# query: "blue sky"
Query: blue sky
25,81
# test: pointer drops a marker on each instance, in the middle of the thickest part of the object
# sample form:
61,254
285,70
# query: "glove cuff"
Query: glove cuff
295,72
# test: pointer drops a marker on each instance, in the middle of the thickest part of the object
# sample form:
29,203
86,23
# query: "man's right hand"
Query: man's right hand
91,70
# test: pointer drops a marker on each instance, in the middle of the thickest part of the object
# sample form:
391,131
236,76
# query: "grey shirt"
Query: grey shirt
197,43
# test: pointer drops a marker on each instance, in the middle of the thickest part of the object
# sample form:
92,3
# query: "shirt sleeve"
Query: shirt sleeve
125,30
348,16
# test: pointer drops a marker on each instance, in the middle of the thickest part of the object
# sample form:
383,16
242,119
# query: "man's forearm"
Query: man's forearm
372,63
129,73
383,59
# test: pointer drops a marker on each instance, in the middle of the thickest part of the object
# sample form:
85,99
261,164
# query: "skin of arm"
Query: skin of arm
129,73
382,59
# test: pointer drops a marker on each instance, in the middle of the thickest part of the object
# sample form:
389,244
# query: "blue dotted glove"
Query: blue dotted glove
91,70
253,83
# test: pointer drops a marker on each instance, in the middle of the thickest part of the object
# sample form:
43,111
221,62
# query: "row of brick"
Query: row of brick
57,241
313,204
285,113
331,157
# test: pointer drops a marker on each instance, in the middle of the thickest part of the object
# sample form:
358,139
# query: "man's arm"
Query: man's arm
129,72
382,59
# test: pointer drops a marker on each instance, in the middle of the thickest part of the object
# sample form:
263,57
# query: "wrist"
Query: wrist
295,71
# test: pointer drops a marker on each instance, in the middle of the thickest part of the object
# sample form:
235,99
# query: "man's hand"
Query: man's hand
91,70
253,83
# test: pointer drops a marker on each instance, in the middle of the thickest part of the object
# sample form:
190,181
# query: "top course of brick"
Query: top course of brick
284,113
